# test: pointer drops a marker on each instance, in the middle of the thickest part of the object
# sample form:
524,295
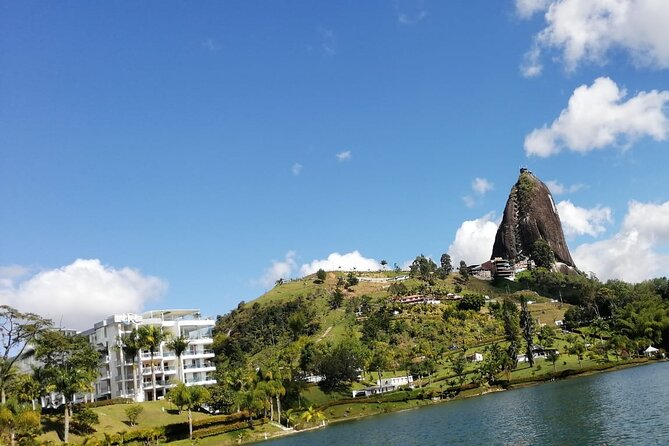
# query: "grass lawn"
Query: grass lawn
112,420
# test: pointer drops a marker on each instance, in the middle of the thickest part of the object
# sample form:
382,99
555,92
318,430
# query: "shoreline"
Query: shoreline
429,402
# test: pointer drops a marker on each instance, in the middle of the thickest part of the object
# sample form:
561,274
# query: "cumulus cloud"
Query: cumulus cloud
527,8
210,45
10,274
296,169
345,262
531,65
82,293
474,239
481,186
280,269
410,12
288,267
558,188
328,41
631,254
343,156
597,116
587,30
583,221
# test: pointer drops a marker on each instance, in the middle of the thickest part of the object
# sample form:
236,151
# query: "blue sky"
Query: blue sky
166,154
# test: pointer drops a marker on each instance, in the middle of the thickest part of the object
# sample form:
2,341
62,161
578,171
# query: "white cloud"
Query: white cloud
211,45
474,240
283,269
470,201
481,186
531,65
558,188
343,156
82,293
632,254
410,12
344,262
10,274
527,8
583,221
328,41
296,169
597,117
587,30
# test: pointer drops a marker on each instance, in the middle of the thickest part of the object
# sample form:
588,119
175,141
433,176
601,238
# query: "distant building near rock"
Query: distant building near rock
530,215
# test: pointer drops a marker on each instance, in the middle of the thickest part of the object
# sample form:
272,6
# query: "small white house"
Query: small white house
559,323
476,357
384,386
650,351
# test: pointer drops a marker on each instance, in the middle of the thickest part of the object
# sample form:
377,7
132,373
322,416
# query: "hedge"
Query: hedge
222,429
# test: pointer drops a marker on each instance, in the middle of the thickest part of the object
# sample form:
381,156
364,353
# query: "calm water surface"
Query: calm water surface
626,407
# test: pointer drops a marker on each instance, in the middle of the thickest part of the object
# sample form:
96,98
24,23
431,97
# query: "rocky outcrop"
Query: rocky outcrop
530,214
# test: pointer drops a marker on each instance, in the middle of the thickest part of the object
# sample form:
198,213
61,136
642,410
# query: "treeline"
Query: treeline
638,313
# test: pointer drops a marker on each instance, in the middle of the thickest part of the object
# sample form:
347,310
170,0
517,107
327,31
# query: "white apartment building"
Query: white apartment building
119,378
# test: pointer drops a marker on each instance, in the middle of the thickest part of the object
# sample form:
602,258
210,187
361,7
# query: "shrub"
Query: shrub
84,419
133,412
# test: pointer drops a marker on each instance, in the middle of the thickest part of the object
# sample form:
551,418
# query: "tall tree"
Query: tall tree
189,398
70,367
509,314
527,325
179,345
445,262
151,336
131,345
17,332
464,272
542,254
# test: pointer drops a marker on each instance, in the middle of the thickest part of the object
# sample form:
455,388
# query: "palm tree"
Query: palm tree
151,337
179,345
312,414
130,345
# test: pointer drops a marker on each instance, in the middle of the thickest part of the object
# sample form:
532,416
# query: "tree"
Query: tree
189,398
321,275
151,336
18,423
527,326
459,365
17,331
351,280
340,362
472,302
422,268
70,366
131,345
546,336
464,272
577,347
380,361
552,355
133,412
336,298
312,414
384,263
509,314
542,254
445,262
179,345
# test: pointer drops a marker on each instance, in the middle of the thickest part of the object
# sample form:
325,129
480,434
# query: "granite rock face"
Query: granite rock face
530,214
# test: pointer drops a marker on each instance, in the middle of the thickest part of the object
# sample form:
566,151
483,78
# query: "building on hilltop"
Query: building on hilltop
116,378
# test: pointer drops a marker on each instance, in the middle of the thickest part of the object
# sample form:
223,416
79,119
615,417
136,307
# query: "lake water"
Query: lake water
626,407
